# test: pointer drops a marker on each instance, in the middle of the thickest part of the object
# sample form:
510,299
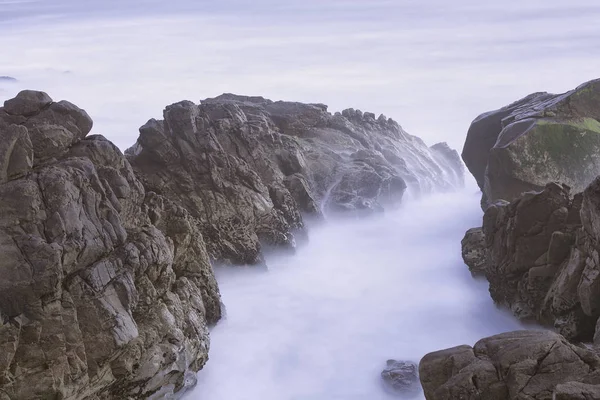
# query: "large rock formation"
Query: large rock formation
522,365
536,140
538,250
106,288
540,256
249,168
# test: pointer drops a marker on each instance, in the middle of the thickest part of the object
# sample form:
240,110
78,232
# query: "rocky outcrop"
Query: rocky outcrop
106,288
250,169
401,378
539,139
540,256
522,365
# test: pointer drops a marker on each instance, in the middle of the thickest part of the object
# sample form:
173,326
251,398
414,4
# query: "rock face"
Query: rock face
249,168
522,365
540,256
539,139
106,288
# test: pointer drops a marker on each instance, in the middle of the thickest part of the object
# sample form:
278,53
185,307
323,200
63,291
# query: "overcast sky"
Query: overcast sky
432,65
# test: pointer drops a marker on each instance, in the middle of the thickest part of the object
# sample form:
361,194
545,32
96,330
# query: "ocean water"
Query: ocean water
319,325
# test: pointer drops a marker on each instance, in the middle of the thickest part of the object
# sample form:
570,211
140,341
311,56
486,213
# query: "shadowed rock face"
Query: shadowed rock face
250,168
106,288
540,256
522,365
539,139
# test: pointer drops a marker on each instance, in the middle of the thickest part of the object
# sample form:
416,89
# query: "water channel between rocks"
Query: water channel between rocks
319,325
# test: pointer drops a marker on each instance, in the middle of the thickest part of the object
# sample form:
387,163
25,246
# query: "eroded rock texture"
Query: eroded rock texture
106,284
539,139
106,289
249,168
540,256
522,365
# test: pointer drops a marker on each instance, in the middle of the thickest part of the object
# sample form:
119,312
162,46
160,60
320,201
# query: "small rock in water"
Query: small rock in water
7,79
401,377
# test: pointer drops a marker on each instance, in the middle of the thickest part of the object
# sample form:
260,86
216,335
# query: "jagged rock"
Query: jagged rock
248,167
106,288
533,252
473,251
401,377
538,139
522,365
449,157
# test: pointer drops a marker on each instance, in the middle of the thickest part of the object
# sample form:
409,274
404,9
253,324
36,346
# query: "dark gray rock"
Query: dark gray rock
522,365
27,103
473,251
536,140
401,377
250,168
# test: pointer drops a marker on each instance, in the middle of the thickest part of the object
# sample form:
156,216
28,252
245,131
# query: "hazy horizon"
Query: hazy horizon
430,65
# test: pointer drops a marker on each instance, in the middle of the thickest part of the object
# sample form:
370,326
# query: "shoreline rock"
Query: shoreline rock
537,365
107,286
251,169
539,139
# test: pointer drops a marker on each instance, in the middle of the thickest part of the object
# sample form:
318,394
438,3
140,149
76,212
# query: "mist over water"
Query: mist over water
319,325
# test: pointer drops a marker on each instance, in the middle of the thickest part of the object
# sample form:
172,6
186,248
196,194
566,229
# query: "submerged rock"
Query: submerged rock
539,139
520,365
401,377
4,78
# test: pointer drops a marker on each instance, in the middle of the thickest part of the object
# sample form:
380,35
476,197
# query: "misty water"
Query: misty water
319,325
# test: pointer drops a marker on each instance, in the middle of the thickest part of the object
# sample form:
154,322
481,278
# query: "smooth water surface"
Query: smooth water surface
320,325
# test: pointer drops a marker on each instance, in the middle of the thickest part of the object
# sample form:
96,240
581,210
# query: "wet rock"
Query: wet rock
538,139
4,78
401,377
518,365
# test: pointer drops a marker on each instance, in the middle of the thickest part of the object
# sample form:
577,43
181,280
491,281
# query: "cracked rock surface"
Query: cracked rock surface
249,168
521,365
539,139
106,288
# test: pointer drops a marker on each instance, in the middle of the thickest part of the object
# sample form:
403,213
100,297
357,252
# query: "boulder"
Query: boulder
521,365
538,139
107,290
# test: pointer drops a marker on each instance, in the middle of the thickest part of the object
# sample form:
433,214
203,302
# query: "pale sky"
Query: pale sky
431,65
